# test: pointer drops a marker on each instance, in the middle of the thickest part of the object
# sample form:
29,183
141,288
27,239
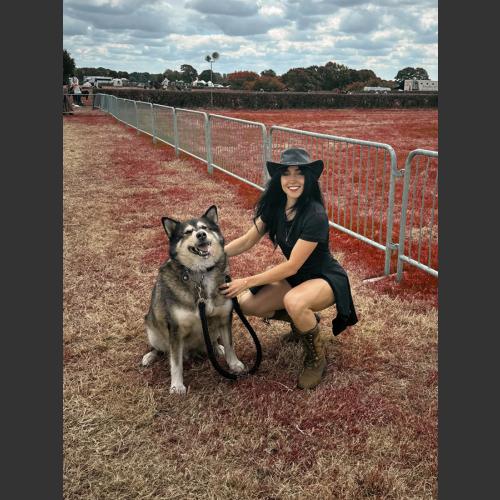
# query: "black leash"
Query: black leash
210,349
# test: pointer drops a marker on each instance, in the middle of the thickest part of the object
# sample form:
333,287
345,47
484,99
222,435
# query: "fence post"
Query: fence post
389,245
404,207
153,124
176,134
208,143
136,118
267,140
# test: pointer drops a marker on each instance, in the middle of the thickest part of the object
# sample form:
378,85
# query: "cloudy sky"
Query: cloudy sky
153,35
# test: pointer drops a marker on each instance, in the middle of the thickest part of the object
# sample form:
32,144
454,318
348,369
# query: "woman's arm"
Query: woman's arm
300,252
247,241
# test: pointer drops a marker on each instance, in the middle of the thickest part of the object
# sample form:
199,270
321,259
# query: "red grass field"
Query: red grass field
368,431
403,129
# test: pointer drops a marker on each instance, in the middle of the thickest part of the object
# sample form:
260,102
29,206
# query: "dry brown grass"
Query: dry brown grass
368,431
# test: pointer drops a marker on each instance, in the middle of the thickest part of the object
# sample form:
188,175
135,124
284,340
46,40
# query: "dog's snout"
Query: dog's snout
201,235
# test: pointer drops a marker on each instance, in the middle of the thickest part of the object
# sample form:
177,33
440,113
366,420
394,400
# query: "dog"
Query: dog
196,268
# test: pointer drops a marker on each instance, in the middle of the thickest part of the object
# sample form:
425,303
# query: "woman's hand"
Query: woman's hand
234,288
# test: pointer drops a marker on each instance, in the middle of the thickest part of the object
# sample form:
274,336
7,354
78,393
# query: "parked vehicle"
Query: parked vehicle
97,81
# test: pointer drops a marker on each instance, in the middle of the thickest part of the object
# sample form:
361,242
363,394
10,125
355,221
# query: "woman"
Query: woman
292,212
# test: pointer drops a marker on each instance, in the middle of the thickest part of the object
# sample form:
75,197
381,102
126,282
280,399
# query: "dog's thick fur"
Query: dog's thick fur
197,266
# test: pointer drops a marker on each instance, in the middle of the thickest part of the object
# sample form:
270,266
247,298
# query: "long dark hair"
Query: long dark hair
271,204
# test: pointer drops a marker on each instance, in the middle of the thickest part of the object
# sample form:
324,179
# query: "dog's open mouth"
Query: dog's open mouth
203,249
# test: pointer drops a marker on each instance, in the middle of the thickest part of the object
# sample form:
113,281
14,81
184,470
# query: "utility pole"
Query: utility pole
211,59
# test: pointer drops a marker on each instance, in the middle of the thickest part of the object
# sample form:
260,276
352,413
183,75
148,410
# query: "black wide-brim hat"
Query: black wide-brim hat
298,157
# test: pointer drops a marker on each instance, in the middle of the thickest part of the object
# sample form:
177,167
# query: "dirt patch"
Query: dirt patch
370,429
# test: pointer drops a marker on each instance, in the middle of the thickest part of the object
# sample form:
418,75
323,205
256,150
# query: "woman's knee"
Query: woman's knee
293,302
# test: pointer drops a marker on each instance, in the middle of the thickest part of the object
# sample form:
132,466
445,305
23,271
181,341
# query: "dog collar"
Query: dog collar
185,274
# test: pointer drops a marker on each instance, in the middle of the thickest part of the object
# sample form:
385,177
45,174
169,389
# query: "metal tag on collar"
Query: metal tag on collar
200,295
199,288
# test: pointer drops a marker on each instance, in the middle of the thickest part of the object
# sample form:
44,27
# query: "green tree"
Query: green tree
334,76
172,75
207,74
361,75
268,72
409,73
139,77
188,73
302,79
69,66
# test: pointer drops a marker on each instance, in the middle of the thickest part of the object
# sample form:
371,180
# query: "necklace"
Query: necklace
288,230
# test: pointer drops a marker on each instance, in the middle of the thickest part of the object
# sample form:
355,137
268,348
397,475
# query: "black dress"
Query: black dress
312,225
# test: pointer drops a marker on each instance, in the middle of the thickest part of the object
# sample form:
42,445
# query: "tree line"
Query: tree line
330,77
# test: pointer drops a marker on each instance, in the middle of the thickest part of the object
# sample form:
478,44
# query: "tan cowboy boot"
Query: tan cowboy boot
294,334
314,359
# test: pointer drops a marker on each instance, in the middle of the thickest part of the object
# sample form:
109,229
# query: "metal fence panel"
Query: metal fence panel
112,103
164,123
128,112
418,232
192,132
238,148
145,117
98,101
120,109
106,102
357,183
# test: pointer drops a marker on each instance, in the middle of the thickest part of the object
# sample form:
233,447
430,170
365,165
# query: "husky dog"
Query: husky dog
196,268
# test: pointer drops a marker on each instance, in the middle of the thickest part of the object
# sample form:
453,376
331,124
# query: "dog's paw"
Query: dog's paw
149,358
219,350
178,389
237,366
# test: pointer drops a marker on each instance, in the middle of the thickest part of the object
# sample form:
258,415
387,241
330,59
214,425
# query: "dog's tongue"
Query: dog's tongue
205,248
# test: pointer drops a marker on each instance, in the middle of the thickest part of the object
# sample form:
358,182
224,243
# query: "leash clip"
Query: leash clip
199,288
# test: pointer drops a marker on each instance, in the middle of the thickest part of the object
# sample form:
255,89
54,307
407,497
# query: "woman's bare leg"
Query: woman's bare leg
266,301
301,302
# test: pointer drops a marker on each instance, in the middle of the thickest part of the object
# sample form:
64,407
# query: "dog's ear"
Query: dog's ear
211,214
169,225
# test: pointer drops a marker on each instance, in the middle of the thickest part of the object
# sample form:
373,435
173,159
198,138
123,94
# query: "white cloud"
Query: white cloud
152,35
226,7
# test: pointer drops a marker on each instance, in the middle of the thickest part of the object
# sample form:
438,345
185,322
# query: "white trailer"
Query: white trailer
415,85
98,80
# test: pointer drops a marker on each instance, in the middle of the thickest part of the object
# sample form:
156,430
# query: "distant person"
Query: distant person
86,90
76,91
